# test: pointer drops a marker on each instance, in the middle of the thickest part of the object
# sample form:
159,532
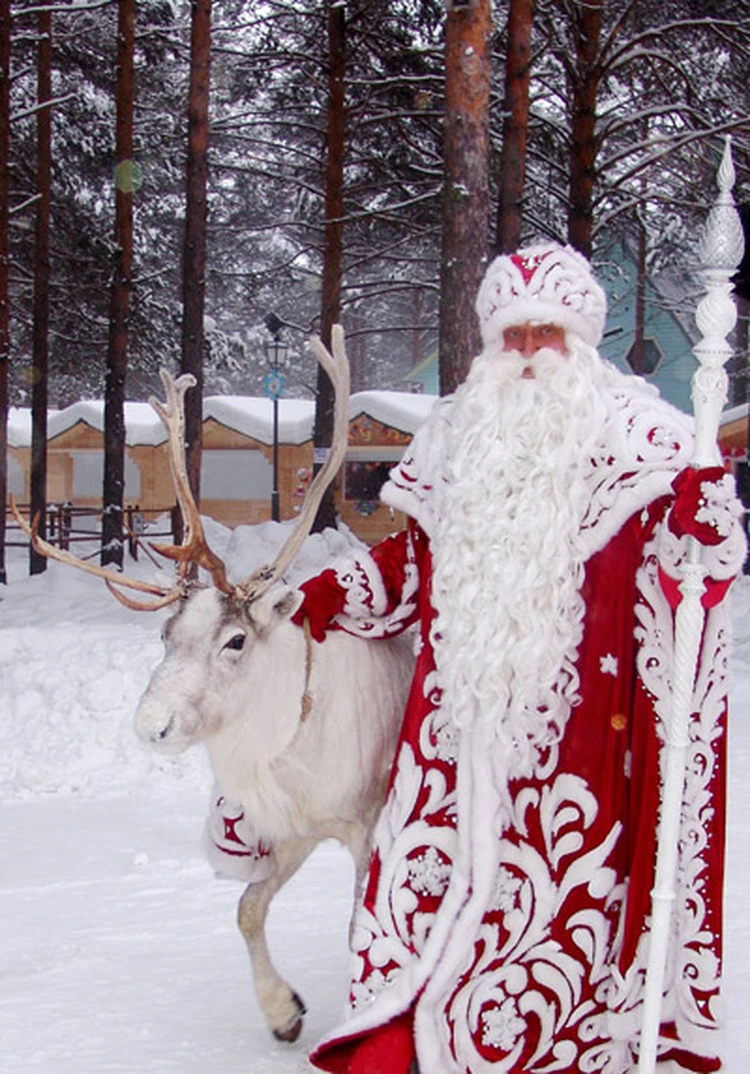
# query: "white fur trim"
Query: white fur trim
645,443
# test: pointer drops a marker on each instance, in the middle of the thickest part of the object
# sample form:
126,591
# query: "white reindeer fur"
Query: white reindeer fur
293,777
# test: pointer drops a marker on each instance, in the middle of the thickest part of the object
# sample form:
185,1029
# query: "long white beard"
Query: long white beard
508,561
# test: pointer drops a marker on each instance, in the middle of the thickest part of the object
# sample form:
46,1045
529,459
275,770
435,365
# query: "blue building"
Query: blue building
663,355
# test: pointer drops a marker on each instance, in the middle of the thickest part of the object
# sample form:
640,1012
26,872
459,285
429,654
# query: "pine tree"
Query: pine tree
40,356
465,219
4,265
194,249
512,171
117,350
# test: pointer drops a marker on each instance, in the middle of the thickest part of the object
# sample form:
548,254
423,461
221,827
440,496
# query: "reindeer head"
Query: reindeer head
223,655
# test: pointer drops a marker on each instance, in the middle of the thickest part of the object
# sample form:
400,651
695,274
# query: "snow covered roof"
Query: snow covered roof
253,416
734,413
250,415
19,426
400,410
142,424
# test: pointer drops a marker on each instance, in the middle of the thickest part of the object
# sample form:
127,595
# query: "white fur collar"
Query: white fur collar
645,442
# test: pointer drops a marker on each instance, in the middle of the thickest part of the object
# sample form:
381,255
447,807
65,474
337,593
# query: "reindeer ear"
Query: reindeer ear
276,604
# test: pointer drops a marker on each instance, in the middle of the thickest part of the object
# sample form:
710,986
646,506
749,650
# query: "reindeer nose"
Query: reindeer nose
159,736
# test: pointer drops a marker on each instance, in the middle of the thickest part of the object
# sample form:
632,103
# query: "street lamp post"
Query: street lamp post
273,386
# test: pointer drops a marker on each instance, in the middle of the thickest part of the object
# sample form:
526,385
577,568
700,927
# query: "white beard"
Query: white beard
508,560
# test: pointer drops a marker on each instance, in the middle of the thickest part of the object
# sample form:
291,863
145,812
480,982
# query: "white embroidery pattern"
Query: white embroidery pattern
366,993
507,887
516,955
414,857
365,609
438,736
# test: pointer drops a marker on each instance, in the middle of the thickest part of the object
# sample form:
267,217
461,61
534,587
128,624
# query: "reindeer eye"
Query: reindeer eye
237,642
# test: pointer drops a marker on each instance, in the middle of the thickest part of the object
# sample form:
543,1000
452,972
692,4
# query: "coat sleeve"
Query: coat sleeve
707,511
373,594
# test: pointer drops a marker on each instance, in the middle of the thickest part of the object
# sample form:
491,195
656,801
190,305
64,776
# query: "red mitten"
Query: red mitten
324,599
705,505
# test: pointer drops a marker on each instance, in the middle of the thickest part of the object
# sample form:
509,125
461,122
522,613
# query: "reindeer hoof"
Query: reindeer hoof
292,1028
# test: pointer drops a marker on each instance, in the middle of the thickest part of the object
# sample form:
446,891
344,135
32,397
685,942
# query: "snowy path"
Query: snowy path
120,952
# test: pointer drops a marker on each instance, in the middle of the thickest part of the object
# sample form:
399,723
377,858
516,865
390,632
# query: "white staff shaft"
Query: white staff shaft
716,316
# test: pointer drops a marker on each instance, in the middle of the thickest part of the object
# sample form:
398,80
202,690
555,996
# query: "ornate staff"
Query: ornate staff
721,252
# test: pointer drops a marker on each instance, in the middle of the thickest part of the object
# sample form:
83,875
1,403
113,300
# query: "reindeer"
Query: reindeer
301,733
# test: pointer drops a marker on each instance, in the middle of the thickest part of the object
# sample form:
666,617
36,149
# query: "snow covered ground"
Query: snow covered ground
118,947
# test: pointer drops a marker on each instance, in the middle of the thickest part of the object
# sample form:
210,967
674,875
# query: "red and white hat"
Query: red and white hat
547,284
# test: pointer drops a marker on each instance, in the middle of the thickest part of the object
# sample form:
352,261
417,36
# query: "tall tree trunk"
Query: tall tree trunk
465,186
4,262
117,349
515,126
194,250
584,91
333,244
637,360
40,348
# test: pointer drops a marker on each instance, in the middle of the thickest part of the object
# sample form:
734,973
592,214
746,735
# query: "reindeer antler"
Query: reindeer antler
194,548
167,594
337,368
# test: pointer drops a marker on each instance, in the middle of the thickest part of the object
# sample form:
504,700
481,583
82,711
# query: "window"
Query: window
366,470
88,475
644,359
16,486
235,475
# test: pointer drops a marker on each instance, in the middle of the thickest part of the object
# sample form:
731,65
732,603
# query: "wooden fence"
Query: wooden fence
68,525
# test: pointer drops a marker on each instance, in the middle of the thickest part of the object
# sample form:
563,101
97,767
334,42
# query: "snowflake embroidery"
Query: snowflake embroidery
507,887
428,873
446,743
365,992
718,506
608,665
502,1026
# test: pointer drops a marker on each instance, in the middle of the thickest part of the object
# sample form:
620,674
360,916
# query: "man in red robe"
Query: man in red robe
504,925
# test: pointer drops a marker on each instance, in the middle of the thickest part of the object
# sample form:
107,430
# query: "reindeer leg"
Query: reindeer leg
282,1007
358,840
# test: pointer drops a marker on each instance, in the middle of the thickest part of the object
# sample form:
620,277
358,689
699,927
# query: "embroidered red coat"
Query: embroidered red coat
521,947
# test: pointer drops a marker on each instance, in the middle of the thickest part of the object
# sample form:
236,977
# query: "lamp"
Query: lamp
273,386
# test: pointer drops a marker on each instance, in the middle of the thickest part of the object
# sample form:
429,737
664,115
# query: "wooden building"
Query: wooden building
237,461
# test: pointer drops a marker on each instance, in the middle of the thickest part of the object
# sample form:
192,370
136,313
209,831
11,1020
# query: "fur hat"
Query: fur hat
547,284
